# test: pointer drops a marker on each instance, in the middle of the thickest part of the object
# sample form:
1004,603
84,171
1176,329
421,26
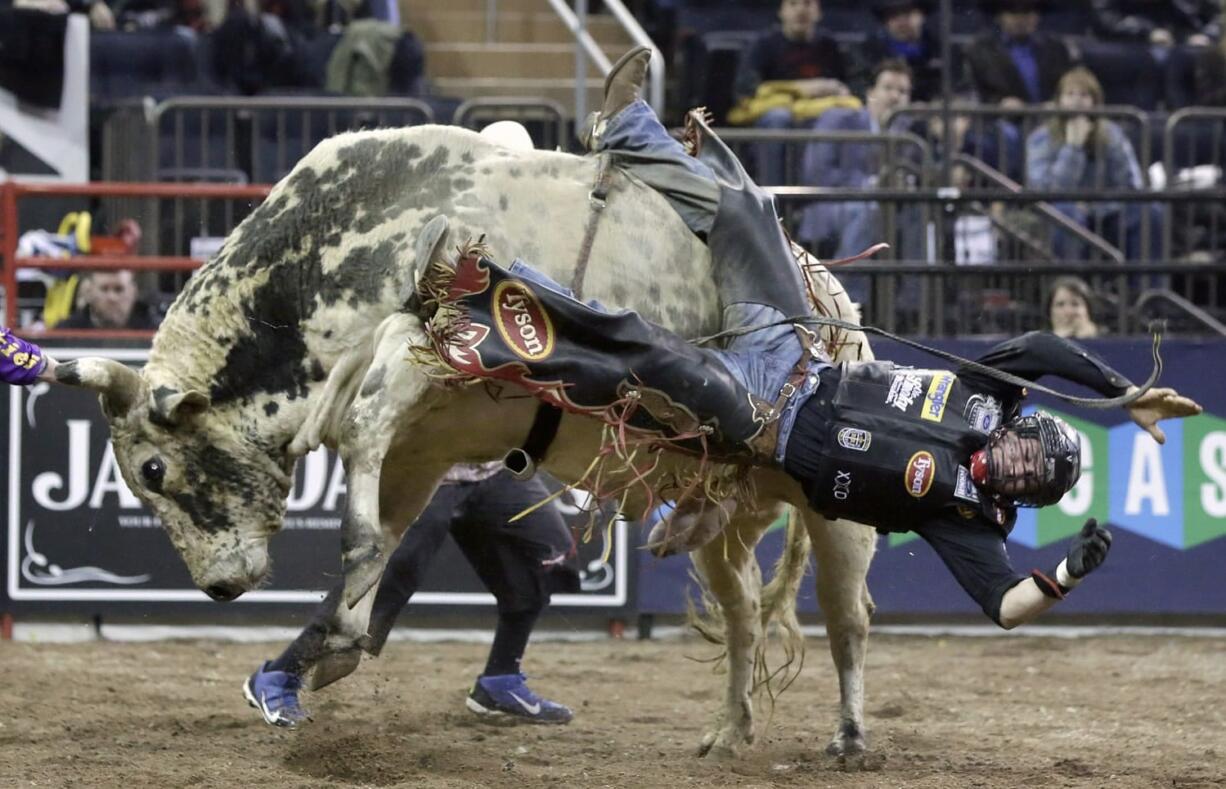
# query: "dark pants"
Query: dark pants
521,563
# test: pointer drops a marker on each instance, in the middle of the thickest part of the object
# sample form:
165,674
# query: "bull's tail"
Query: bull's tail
778,604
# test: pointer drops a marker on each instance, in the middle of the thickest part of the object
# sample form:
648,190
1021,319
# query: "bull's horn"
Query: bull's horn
118,384
425,247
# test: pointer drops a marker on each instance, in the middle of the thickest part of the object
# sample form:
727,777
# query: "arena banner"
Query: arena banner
1165,504
77,539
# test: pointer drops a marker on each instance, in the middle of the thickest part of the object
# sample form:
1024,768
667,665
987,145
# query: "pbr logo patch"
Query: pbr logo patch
905,387
855,439
983,413
921,471
522,321
964,488
937,397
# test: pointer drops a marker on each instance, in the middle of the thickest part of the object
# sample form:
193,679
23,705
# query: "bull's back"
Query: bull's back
536,206
333,242
533,205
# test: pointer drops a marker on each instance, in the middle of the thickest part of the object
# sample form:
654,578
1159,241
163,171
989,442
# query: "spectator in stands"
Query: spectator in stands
1083,153
904,36
845,228
1015,64
110,302
1209,75
1068,309
789,76
261,45
100,15
161,15
1161,23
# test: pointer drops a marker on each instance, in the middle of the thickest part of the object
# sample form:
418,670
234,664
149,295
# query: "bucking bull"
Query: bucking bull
297,334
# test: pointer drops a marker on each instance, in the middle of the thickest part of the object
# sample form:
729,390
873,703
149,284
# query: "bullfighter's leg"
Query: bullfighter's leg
843,551
391,392
731,572
522,563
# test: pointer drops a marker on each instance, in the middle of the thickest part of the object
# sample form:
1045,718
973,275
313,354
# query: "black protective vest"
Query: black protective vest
897,446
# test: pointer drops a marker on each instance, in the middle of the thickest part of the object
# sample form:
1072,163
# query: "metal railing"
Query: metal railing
655,76
1183,305
1194,155
266,136
1006,130
1042,209
545,120
935,300
576,22
12,192
226,140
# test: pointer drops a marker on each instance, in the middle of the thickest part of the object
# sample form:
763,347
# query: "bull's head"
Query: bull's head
218,486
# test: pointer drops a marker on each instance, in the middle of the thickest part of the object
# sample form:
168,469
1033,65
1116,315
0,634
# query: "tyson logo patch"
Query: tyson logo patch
522,321
921,471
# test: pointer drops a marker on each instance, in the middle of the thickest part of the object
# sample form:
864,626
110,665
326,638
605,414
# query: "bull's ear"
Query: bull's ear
119,385
170,407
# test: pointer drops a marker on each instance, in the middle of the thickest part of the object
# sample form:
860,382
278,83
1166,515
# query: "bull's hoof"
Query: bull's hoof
848,741
724,743
333,666
717,753
361,576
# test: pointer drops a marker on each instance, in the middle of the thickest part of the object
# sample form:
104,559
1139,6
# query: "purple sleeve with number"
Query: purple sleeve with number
20,361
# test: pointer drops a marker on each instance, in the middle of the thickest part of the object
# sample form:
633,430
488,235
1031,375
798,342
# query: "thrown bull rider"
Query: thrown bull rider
946,454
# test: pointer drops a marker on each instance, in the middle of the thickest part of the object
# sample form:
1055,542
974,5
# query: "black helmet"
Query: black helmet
1043,476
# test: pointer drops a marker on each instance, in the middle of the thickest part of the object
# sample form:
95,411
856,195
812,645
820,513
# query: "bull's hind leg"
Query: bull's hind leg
731,572
843,551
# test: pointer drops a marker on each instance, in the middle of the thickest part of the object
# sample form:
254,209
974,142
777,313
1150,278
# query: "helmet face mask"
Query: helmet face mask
1033,461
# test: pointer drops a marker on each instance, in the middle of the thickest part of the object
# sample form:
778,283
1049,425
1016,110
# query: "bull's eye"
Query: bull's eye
153,471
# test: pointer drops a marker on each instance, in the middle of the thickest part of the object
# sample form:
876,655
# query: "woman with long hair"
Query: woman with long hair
1069,309
1087,153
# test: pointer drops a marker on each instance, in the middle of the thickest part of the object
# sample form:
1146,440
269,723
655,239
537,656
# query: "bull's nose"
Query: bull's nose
223,593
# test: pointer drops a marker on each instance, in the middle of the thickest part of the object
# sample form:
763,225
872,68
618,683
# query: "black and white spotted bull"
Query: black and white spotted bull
295,335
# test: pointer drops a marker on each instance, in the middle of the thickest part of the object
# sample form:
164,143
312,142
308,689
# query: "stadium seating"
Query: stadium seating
145,63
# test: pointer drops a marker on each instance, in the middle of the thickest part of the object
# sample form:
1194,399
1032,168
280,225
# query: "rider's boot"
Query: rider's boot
623,85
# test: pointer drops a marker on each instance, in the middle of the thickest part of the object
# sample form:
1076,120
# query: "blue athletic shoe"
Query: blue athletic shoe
507,694
275,695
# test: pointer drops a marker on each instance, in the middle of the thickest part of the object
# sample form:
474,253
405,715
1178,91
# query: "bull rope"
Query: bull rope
1086,402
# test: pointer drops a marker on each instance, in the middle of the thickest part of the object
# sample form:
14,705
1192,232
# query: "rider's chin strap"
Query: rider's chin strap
999,375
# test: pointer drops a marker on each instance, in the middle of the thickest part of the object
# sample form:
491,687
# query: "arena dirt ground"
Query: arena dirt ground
1121,711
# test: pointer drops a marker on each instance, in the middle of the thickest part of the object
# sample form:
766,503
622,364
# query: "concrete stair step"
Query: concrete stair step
411,10
523,61
513,27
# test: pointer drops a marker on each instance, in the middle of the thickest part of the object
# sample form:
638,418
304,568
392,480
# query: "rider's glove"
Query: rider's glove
1087,551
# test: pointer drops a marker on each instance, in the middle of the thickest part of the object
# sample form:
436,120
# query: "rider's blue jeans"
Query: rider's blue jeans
760,360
